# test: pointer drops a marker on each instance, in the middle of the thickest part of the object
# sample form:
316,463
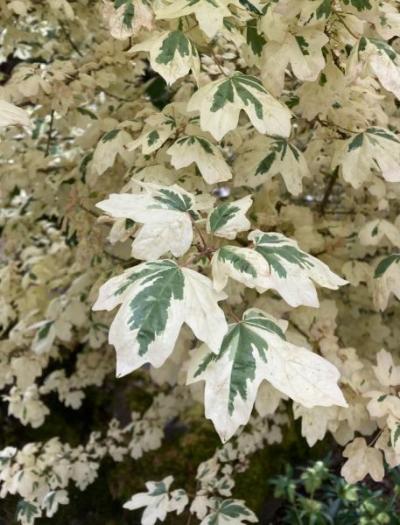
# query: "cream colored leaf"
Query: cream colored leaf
11,115
254,350
374,149
263,158
228,219
362,460
172,55
109,146
208,158
220,103
166,214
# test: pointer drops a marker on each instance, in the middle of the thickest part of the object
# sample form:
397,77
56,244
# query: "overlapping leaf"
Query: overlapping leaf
166,213
254,350
172,55
275,262
210,14
221,102
156,299
208,158
374,149
159,128
380,59
302,49
229,218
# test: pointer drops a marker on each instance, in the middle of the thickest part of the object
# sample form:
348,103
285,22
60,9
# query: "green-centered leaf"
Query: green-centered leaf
376,149
172,55
274,262
254,350
229,218
156,299
229,512
158,129
191,149
221,102
263,158
166,213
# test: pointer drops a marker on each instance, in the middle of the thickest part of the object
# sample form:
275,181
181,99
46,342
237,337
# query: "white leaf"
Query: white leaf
166,214
11,115
362,460
155,501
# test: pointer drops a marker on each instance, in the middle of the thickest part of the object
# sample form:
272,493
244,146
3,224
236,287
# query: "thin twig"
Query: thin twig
328,190
49,133
68,37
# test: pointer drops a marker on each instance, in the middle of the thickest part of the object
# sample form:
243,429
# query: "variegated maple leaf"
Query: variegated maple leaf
376,149
221,102
275,262
255,349
191,149
172,55
229,218
156,298
166,213
263,158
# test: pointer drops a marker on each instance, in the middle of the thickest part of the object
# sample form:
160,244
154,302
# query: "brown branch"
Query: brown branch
328,190
49,133
68,37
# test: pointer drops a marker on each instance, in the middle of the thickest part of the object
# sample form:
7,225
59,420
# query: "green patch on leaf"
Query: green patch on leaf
385,264
276,253
324,9
163,282
175,42
222,215
356,143
174,200
44,330
360,5
254,39
152,137
226,254
110,135
303,45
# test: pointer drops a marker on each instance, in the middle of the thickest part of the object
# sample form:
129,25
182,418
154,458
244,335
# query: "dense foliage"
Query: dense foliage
178,177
